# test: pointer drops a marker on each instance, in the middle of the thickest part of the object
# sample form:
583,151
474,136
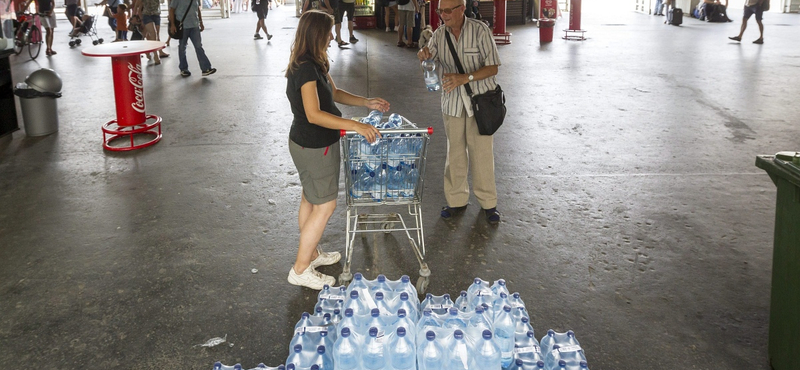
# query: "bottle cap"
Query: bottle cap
540,364
530,333
375,312
429,296
298,348
524,319
556,346
314,367
570,333
430,335
290,367
503,295
463,293
515,295
551,332
487,334
458,334
477,281
401,331
427,312
562,363
382,277
358,276
479,309
379,296
507,308
446,296
584,364
403,296
348,312
354,294
321,349
519,362
501,282
305,315
405,278
373,332
453,311
345,332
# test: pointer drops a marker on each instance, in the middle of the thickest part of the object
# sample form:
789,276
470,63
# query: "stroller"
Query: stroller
85,25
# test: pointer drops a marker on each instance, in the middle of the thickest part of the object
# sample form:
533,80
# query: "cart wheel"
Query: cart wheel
78,41
344,281
386,225
101,41
94,42
422,285
71,44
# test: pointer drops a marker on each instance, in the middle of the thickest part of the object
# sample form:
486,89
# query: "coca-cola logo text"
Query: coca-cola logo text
136,80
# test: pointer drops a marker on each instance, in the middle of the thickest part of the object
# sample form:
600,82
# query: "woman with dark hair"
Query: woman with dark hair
314,140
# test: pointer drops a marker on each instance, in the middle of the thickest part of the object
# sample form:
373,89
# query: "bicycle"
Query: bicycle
28,34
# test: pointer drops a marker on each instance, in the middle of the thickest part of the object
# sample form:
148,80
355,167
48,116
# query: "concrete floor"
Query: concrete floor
633,212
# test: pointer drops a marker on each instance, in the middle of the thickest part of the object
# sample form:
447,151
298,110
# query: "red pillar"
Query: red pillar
501,37
434,16
575,15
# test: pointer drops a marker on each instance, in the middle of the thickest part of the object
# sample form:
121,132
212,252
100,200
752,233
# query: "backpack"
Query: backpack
253,5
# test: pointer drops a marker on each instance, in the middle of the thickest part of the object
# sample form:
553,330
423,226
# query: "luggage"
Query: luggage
675,16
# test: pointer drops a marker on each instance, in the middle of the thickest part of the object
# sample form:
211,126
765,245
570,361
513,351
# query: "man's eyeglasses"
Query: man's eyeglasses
448,10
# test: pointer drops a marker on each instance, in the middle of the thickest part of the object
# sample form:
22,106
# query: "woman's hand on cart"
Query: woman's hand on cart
368,131
378,103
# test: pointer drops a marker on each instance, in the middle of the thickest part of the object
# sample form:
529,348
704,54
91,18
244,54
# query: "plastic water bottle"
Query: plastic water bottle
409,307
395,121
302,338
515,300
366,181
296,358
431,77
521,329
355,303
499,303
453,321
404,321
379,186
426,323
478,323
336,318
349,321
384,308
486,354
461,302
381,285
219,366
346,352
486,302
527,348
519,313
374,118
499,286
406,286
375,321
397,179
322,360
402,352
357,190
325,340
430,355
412,176
374,351
504,331
458,352
478,287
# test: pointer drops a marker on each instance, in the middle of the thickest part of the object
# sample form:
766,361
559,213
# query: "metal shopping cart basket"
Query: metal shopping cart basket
389,172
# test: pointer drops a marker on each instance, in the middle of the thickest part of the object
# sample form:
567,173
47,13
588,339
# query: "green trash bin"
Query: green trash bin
784,312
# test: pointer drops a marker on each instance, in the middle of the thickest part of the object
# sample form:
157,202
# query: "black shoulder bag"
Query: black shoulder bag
178,34
489,108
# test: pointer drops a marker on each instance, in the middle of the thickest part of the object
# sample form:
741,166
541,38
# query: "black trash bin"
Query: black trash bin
37,97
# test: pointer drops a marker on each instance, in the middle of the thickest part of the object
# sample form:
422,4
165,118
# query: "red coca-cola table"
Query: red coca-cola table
131,121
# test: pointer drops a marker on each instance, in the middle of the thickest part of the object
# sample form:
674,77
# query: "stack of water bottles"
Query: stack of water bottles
380,325
386,170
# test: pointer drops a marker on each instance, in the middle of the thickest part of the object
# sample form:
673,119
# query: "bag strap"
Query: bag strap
187,10
458,61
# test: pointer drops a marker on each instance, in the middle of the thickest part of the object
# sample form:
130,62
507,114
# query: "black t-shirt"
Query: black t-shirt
304,133
44,6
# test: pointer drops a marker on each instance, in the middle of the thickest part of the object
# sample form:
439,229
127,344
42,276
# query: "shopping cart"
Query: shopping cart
389,172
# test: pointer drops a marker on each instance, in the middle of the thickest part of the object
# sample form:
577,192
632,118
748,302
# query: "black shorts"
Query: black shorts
755,9
71,10
262,11
349,8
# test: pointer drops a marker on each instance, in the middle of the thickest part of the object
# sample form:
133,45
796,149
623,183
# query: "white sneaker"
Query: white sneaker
310,278
325,258
388,29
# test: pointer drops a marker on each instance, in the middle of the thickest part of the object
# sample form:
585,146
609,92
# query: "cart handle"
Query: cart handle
428,131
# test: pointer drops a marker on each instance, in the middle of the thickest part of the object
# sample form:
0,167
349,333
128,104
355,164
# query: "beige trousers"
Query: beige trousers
468,151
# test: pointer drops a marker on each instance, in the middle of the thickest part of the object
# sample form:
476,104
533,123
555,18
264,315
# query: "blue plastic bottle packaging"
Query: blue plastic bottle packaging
376,321
356,190
522,328
355,303
406,286
462,303
374,355
500,301
380,284
324,339
519,313
486,354
527,348
302,338
504,333
402,352
484,300
432,81
458,352
379,186
397,179
430,355
296,358
515,300
478,287
219,366
346,354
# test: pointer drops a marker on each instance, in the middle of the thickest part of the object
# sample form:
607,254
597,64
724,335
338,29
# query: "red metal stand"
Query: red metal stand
501,37
574,32
131,121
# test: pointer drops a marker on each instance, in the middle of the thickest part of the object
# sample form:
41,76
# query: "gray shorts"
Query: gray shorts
48,21
406,18
318,170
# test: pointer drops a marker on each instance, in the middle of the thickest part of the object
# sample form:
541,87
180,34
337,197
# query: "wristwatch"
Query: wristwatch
471,77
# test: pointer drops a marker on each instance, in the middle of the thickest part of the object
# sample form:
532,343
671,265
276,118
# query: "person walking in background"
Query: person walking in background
752,7
347,7
314,141
388,5
192,27
48,18
122,22
150,11
262,10
111,9
467,150
407,9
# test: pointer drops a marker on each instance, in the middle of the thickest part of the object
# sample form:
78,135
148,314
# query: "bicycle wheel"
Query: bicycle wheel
19,42
35,47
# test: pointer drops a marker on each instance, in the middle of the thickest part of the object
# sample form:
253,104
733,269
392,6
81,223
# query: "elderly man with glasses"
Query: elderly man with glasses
467,150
